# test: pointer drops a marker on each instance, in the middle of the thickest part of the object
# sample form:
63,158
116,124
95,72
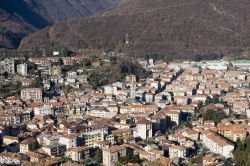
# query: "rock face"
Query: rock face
19,18
172,27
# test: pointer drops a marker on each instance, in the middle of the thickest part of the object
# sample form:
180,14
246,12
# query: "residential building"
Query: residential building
78,154
54,150
143,129
27,145
177,151
218,144
22,69
55,71
70,140
31,94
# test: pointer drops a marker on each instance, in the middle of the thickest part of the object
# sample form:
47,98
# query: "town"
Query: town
180,113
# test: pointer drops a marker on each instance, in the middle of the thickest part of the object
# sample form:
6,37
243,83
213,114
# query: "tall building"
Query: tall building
133,87
22,69
31,94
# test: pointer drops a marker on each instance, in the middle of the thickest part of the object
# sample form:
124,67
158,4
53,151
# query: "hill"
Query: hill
172,27
19,18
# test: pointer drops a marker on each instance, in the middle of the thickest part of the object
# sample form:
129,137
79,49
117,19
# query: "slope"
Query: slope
19,18
171,27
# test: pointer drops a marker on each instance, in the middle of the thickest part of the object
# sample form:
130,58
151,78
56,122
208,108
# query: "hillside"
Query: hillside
172,27
19,18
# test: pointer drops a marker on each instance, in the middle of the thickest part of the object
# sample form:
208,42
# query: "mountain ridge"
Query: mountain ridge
176,27
19,18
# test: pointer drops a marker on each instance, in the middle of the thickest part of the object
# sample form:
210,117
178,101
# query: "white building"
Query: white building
103,113
46,109
174,115
70,140
143,129
22,69
177,151
218,144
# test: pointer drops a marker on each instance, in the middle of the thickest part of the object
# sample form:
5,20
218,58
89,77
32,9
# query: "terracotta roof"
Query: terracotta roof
79,149
35,155
70,164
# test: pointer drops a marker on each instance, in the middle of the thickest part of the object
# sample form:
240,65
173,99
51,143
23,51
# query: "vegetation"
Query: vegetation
86,161
64,159
37,82
215,100
119,141
7,53
212,56
3,31
215,116
241,153
10,89
116,71
98,156
67,89
128,159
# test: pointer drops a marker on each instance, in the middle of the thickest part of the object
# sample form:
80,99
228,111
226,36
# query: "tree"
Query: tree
188,124
98,156
64,159
215,116
66,90
113,119
5,74
223,103
241,153
120,141
129,159
37,82
86,161
216,99
208,101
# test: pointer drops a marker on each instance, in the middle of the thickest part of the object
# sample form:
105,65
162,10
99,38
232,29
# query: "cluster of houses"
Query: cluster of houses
49,68
136,117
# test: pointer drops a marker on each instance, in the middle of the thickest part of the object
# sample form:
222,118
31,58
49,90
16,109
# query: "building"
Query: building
8,66
47,139
10,118
112,155
103,113
233,131
177,151
27,145
143,129
70,140
9,140
55,71
31,94
8,158
54,150
133,86
218,144
35,157
79,153
174,115
22,69
91,137
46,109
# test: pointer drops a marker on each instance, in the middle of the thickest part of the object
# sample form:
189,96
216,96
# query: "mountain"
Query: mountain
19,18
171,27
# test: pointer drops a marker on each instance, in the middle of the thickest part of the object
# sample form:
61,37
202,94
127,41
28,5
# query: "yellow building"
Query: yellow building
55,71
